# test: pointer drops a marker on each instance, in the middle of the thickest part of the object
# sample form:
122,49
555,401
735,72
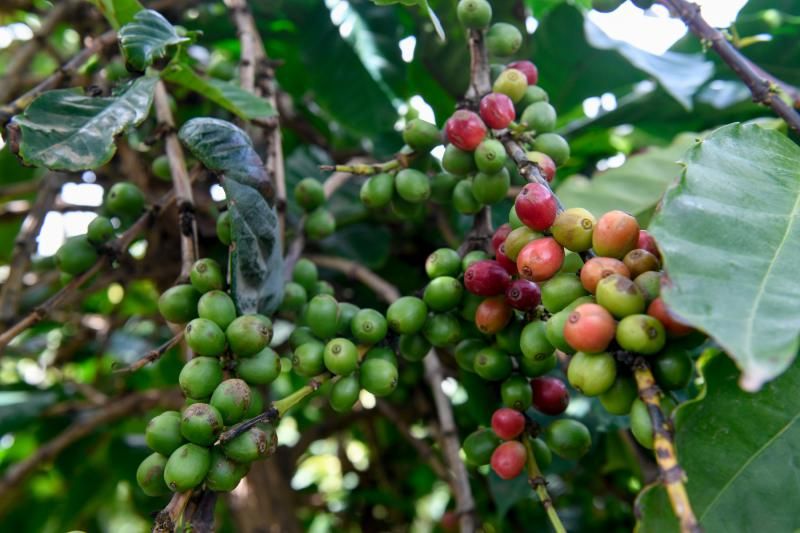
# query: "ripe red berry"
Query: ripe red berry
493,315
465,130
545,163
589,328
523,294
497,110
674,326
540,259
527,68
550,395
508,459
486,278
536,206
501,257
598,268
500,235
647,242
508,423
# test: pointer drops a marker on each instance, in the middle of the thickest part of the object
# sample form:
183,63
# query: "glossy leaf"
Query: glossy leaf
256,257
68,130
729,233
118,12
147,39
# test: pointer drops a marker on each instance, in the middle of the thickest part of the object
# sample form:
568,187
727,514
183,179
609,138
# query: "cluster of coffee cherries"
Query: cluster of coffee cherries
226,344
310,196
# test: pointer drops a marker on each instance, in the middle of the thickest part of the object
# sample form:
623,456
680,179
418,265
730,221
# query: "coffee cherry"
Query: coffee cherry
492,315
641,424
307,359
324,287
249,334
640,261
516,393
344,393
545,163
466,352
523,295
163,432
650,285
381,352
465,130
592,374
508,423
620,296
407,314
507,339
76,255
569,439
486,278
536,206
617,400
589,328
493,364
199,377
537,366
672,368
497,110
615,234
560,291
201,423
319,224
457,161
443,293
598,268
322,315
442,329
340,356
672,324
260,369
206,275
369,326
309,194
232,400
490,156
255,443
512,83
224,474
421,135
554,327
527,68
573,229
442,186
508,459
377,190
507,264
471,258
499,235
648,243
217,307
540,259
463,200
412,185
474,14
413,347
572,263
513,219
205,337
479,446
179,303
305,273
223,228
150,475
294,298
300,336
490,188
100,231
641,334
517,239
469,306
378,377
606,6
533,341
503,40
533,94
553,145
347,312
187,467
539,117
443,262
550,395
124,200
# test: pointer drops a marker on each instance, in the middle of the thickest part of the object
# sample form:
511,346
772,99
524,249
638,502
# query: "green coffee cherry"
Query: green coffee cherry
150,475
305,273
347,312
294,298
224,474
457,161
573,229
592,374
381,352
412,185
377,191
255,443
261,369
620,296
76,255
301,335
206,275
442,186
187,467
443,293
517,239
201,423
560,291
569,439
223,228
553,145
319,224
178,304
163,432
490,156
100,231
641,334
309,194
217,307
542,453
442,329
493,364
513,218
512,83
572,263
256,404
161,169
421,135
232,399
307,359
473,257
324,287
199,377
340,356
369,326
413,347
533,367
204,337
650,285
443,262
503,40
463,200
672,368
508,339
516,393
479,446
467,351
539,117
407,314
322,316
249,334
533,94
378,377
344,393
474,14
124,200
618,399
490,188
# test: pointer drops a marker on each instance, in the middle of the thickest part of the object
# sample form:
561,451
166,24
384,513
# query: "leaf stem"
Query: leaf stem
539,485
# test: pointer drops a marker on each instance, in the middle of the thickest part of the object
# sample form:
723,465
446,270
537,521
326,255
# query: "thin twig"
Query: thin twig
383,289
152,355
538,483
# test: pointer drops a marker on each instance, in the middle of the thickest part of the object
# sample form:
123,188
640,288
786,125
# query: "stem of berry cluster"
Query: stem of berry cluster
539,484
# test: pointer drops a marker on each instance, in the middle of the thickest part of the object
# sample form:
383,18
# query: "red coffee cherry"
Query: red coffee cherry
465,130
527,68
508,423
598,268
540,259
674,326
647,242
589,328
497,110
492,315
486,278
505,261
523,294
550,395
545,163
500,235
508,459
536,206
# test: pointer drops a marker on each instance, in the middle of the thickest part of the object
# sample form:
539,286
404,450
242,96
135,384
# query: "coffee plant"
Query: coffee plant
322,283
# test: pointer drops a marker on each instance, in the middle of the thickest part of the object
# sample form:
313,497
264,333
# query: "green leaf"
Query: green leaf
635,187
228,95
147,39
118,12
256,256
739,451
730,237
67,130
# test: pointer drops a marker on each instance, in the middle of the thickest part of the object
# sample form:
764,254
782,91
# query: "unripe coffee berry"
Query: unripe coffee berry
598,268
378,377
553,145
568,438
672,368
508,459
592,373
163,433
672,324
443,262
486,278
320,223
527,68
539,117
560,291
100,230
641,334
573,229
465,130
474,14
206,275
125,200
369,326
322,316
223,228
421,135
407,314
260,369
650,284
344,393
412,185
618,398
589,328
503,40
309,194
232,400
479,446
150,475
204,337
497,110
545,163
179,303
219,308
550,395
249,334
540,259
442,329
340,356
457,161
493,364
512,83
492,315
620,296
224,474
508,423
377,191
76,255
463,200
523,294
615,234
491,188
187,467
517,239
536,206
201,423
490,156
307,359
255,443
516,393
443,293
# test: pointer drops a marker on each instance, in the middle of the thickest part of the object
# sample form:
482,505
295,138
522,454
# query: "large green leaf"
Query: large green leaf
739,451
118,12
228,95
730,237
635,187
68,130
146,39
256,257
